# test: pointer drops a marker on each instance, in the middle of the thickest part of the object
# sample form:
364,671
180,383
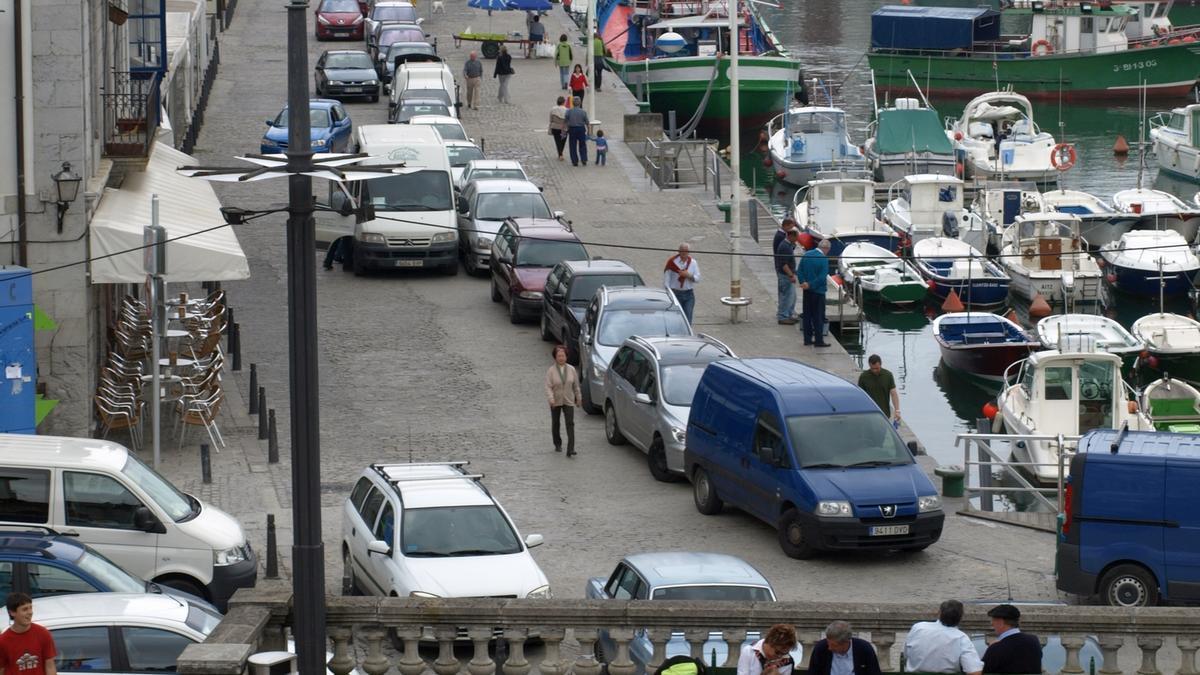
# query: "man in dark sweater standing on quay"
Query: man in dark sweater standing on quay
1013,651
879,384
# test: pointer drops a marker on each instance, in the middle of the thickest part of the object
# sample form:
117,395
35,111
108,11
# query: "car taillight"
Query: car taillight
1068,493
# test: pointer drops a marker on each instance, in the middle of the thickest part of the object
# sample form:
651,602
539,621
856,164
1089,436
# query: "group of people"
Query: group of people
569,125
809,272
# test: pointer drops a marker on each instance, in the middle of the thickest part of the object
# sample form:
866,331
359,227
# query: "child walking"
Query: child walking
601,148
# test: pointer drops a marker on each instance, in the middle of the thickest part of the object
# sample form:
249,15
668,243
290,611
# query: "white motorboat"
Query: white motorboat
840,307
880,275
840,206
1044,254
1173,342
1099,223
999,204
1158,210
1173,405
1176,137
1063,331
907,139
808,139
926,205
1151,263
1000,140
953,265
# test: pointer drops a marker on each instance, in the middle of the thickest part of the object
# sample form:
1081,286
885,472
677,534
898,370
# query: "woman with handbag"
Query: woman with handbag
504,71
558,125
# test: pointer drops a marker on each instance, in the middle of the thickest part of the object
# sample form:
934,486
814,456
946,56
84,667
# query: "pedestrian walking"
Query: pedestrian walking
473,72
537,34
598,65
880,385
601,148
578,83
563,57
839,653
814,273
25,648
680,275
771,655
1013,651
558,125
564,395
785,277
939,646
504,71
577,124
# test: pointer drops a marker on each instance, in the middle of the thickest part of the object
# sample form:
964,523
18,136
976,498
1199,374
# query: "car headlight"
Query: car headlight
530,295
372,83
229,556
679,434
323,20
929,503
541,592
423,594
372,238
318,143
598,371
836,509
484,242
445,236
270,142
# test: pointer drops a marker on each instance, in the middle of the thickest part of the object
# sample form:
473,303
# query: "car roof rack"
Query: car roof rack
407,479
13,526
645,343
456,463
716,343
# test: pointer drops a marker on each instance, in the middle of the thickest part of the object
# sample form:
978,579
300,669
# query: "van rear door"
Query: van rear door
1181,536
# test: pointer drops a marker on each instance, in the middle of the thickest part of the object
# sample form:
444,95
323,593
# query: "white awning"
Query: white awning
186,208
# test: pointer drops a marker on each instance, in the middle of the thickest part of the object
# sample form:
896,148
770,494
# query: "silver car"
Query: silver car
648,391
482,207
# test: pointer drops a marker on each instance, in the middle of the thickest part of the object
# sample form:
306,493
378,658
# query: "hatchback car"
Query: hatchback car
339,19
387,34
524,252
418,107
347,73
434,531
648,392
461,154
406,52
449,128
330,131
569,288
492,168
395,11
483,205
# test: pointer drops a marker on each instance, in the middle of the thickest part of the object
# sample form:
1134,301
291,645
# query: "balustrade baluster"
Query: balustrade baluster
808,639
1149,644
273,639
342,662
481,662
411,662
516,663
1188,644
1072,644
883,642
659,637
552,662
733,647
586,663
446,663
696,638
621,663
375,663
1109,645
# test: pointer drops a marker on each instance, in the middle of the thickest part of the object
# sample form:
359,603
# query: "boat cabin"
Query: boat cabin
1000,206
930,196
1151,20
1072,392
838,203
1084,27
1182,124
1042,238
817,133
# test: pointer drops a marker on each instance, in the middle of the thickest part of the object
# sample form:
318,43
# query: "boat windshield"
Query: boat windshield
824,122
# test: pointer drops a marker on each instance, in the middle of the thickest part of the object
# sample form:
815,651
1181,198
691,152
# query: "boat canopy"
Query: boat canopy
918,130
937,28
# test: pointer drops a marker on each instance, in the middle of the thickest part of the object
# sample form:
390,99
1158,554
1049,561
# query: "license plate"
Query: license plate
409,263
888,530
352,90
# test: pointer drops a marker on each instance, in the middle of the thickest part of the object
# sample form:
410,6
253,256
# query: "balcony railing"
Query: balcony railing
362,632
131,110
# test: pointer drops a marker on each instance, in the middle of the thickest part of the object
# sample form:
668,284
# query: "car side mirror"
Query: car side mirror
644,399
913,448
421,21
270,123
146,522
534,540
380,547
560,214
463,207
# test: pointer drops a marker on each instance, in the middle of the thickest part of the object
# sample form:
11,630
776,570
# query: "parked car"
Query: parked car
808,453
339,19
449,128
347,73
483,205
648,392
615,313
434,531
400,53
523,253
395,11
492,168
428,78
386,34
461,154
416,106
569,288
330,131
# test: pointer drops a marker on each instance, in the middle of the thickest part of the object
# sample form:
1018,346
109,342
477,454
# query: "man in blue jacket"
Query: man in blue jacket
841,654
814,271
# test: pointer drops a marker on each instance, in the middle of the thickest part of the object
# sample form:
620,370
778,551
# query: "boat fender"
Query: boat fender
1042,48
1062,156
990,410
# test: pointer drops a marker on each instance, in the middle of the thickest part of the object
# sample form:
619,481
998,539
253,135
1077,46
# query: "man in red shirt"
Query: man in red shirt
25,648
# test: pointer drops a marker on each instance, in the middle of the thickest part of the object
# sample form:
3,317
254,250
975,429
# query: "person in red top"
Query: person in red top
578,82
25,648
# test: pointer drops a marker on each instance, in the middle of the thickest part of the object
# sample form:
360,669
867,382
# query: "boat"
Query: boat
997,138
1099,223
998,204
1173,405
1063,392
925,205
907,139
669,54
840,306
1151,263
1176,137
1062,331
1044,255
981,344
1158,210
1173,341
880,276
953,265
806,140
840,206
1064,51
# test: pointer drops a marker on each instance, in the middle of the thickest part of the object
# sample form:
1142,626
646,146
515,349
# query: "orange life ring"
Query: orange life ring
1062,156
1045,44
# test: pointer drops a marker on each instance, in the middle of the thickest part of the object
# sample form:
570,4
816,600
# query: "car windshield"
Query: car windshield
461,154
618,324
680,382
534,253
721,592
450,132
347,61
586,286
425,95
407,111
509,174
457,531
849,440
202,619
418,191
317,118
179,507
340,6
390,35
116,579
501,205
405,13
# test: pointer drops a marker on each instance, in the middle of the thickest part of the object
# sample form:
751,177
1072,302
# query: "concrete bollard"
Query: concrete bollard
272,438
205,464
272,549
262,413
952,480
253,388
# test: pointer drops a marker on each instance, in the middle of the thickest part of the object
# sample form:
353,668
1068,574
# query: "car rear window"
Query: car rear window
617,325
534,253
585,286
395,13
717,592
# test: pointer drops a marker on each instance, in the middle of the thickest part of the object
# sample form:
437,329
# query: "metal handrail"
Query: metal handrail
131,112
982,441
683,162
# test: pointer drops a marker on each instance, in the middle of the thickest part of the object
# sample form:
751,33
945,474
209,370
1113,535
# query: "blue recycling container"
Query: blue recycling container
18,367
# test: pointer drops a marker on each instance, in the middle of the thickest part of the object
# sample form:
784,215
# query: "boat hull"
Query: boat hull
1178,159
800,173
891,168
985,361
1027,285
1186,225
893,294
972,292
1146,283
838,242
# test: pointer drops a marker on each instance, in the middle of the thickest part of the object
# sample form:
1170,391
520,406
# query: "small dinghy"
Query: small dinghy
1173,405
878,275
953,265
1061,331
1173,342
981,344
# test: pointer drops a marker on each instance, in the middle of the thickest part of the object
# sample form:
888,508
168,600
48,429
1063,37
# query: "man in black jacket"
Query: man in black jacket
840,653
1013,651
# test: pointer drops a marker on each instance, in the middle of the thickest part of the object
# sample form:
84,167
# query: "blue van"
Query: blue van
810,453
1131,530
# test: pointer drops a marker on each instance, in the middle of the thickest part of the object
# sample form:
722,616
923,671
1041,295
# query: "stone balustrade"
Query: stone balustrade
375,635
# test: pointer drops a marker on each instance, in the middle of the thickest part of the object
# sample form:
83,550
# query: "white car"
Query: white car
462,153
449,128
434,531
491,168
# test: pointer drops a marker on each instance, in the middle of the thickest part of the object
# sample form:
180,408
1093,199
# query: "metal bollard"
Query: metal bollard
253,388
235,345
272,438
205,464
272,549
262,413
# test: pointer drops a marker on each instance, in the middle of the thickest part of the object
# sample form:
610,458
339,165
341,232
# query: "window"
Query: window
152,650
768,440
395,13
47,580
541,253
93,500
727,593
586,286
847,440
620,324
680,382
179,507
25,495
457,531
114,578
82,649
854,193
318,118
620,362
425,190
1058,384
636,370
370,509
360,492
338,114
6,580
1178,122
1087,25
347,61
501,205
628,585
553,281
461,154
385,529
826,192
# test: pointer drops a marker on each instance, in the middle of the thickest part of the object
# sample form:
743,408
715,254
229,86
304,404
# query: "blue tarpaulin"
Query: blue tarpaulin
935,28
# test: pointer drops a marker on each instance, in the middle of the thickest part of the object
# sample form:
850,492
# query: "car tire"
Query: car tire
349,583
656,460
588,407
705,494
185,585
496,297
612,430
793,538
514,315
1129,586
547,336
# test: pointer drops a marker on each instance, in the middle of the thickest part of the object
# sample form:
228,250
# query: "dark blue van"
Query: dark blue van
1131,529
809,453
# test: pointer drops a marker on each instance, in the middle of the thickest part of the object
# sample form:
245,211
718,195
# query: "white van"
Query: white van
405,220
102,493
413,78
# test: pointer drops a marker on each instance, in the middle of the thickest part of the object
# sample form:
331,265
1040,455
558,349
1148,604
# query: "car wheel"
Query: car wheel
514,315
792,538
1129,586
349,583
588,407
185,585
547,336
705,494
612,430
496,297
656,459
